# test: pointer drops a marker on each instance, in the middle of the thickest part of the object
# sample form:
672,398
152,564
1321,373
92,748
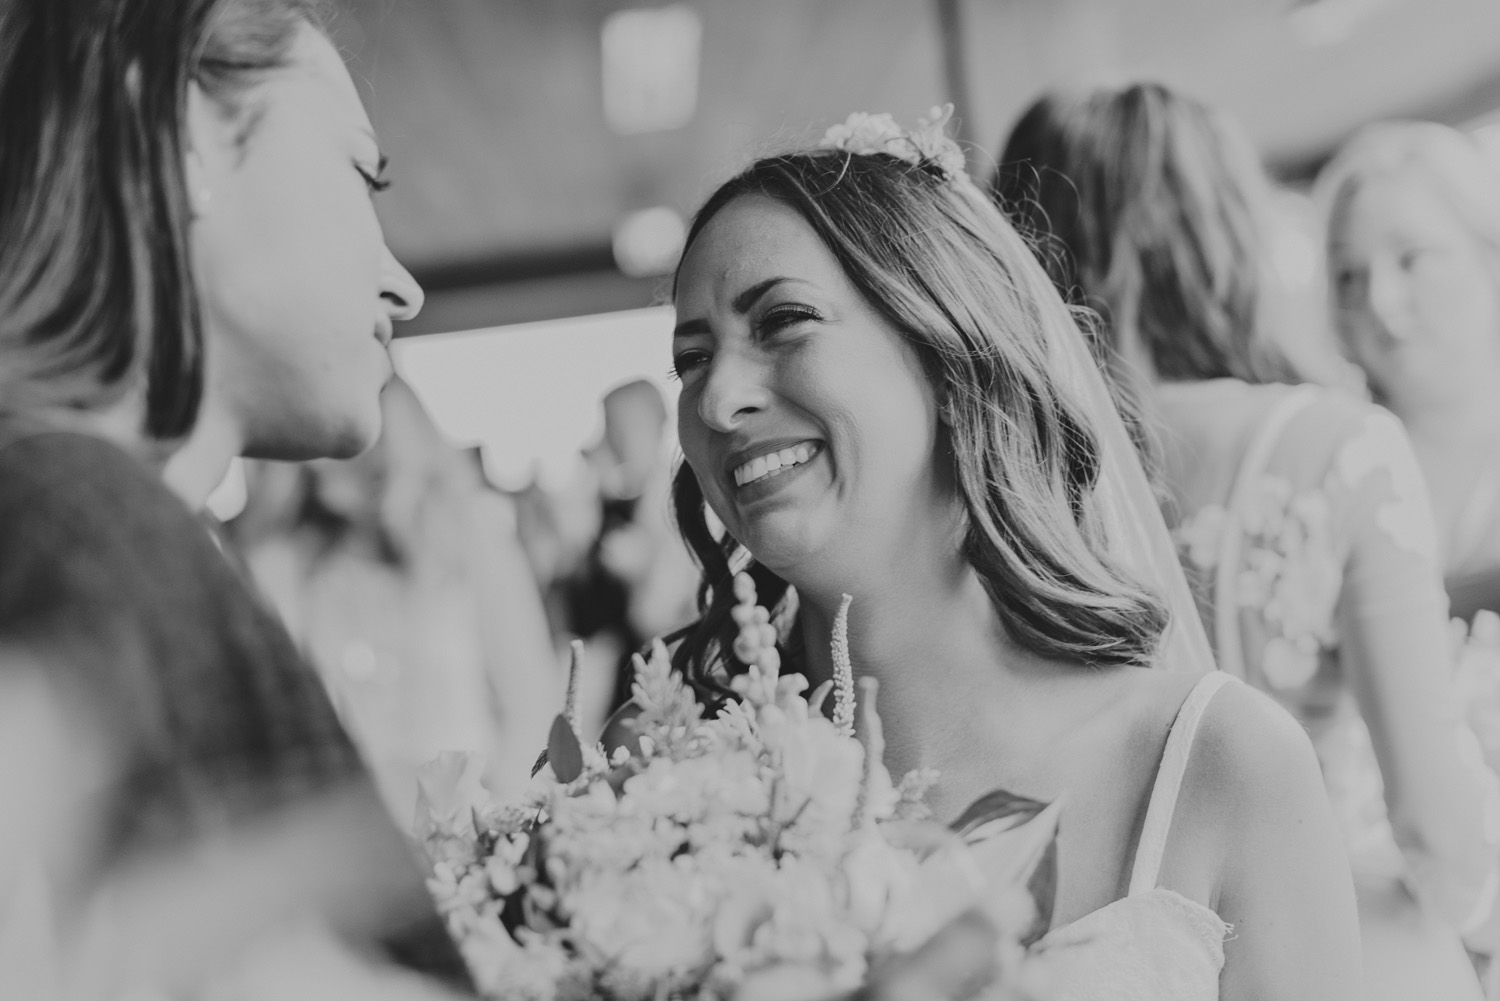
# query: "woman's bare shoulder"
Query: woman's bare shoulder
1252,775
1247,749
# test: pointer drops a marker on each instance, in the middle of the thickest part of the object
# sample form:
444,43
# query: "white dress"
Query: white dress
1303,522
1153,944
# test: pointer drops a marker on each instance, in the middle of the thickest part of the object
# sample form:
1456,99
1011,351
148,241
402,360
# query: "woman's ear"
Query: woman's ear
945,406
201,141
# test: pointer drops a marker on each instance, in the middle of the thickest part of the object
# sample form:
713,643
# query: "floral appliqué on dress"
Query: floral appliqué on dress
1291,559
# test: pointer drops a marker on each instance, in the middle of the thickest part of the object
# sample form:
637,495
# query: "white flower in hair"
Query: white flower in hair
927,145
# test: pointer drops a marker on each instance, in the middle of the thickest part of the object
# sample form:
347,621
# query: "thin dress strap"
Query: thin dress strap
1163,804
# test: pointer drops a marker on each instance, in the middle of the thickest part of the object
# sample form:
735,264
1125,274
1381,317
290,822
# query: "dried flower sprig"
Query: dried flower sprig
843,671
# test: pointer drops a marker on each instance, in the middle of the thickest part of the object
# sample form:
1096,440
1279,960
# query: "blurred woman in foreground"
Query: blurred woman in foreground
191,265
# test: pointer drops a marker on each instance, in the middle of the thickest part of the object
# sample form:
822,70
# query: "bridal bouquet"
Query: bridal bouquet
764,852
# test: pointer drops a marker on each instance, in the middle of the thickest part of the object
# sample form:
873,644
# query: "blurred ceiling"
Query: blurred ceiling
510,180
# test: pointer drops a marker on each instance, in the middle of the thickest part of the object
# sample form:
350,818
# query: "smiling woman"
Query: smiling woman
859,429
883,397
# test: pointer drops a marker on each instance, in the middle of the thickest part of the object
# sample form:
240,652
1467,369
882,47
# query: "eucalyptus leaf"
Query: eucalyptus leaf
1043,889
996,811
564,751
1014,841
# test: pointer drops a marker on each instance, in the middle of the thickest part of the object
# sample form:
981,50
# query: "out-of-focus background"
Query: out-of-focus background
547,155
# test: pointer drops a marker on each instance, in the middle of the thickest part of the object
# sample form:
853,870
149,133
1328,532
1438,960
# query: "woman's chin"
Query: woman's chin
807,559
783,552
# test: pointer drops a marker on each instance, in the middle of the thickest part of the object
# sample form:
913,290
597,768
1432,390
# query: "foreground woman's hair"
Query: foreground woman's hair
96,287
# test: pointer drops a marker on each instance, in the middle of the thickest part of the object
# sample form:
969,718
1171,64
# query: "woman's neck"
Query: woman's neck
202,460
925,639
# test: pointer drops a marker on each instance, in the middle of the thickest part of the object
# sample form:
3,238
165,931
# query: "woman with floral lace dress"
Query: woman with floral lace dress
1414,263
1300,514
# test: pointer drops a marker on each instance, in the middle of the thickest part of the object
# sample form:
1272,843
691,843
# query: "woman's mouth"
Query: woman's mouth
764,467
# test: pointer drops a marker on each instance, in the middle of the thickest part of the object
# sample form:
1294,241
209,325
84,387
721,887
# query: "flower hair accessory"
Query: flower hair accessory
927,145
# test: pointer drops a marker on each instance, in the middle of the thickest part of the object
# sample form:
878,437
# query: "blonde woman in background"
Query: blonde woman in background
1414,267
400,575
1300,513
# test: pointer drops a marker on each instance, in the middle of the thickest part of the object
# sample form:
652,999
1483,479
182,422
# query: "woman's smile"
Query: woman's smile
767,473
769,462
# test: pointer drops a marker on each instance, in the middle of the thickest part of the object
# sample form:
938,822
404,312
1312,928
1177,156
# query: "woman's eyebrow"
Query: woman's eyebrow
741,304
690,328
748,298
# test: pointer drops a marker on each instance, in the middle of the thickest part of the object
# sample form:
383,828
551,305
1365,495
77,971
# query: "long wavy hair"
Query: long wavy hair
96,287
1149,207
941,264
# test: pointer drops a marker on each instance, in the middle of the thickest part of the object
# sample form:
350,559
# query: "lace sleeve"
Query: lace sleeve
1397,657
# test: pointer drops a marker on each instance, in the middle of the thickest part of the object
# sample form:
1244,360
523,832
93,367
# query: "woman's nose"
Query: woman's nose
734,391
399,291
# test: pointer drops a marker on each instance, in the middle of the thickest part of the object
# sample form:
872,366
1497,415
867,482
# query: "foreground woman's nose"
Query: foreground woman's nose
399,291
734,390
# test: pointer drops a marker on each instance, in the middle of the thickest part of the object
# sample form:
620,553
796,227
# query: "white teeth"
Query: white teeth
764,465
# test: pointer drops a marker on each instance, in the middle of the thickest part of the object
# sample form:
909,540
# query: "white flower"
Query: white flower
863,132
1200,535
819,773
655,920
450,792
1289,664
927,144
882,882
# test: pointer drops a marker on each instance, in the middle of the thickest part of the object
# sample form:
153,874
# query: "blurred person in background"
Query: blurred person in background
637,580
400,575
1414,268
192,263
1299,511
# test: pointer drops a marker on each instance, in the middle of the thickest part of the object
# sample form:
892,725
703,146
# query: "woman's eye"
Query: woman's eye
782,317
686,362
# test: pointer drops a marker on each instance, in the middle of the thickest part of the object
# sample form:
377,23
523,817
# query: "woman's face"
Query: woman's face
805,415
297,286
1417,295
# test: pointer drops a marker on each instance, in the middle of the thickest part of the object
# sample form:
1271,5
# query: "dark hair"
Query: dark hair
96,285
941,264
1148,207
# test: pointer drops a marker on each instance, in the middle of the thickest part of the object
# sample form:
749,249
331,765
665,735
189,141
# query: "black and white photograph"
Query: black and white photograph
749,500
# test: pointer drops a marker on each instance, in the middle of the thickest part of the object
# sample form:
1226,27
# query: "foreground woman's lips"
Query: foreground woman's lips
772,462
